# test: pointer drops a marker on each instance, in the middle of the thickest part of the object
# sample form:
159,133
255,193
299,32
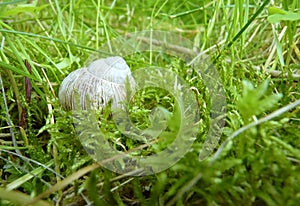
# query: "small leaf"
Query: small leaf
254,100
92,190
283,16
23,8
275,10
66,62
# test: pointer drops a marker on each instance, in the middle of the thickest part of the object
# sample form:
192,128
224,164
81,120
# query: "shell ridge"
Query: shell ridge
97,84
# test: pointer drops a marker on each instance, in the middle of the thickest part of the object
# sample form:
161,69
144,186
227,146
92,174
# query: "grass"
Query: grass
256,161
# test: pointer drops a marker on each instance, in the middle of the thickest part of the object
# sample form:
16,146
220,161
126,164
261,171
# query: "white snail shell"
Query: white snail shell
102,80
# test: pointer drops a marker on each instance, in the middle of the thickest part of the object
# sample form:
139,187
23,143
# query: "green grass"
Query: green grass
256,161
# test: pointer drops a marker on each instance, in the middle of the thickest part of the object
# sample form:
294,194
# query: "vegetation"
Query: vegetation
254,46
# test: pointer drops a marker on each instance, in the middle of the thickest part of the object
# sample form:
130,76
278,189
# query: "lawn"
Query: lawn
212,117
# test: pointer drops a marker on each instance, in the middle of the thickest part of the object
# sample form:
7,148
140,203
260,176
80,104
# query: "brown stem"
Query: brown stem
28,91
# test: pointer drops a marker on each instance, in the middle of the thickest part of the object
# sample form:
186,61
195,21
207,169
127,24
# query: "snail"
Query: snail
97,84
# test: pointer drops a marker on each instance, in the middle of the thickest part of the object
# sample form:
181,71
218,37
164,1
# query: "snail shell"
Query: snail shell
102,80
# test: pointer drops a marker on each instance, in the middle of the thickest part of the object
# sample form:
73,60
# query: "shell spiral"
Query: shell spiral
102,80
